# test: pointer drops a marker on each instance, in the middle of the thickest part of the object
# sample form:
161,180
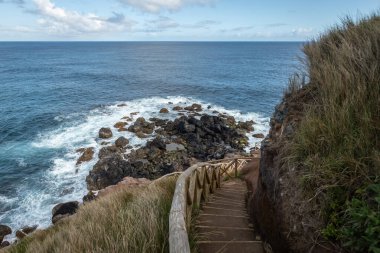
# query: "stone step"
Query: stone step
211,233
230,247
222,211
223,220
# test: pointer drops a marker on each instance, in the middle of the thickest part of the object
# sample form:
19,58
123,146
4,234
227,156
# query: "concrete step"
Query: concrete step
222,211
230,247
210,233
223,220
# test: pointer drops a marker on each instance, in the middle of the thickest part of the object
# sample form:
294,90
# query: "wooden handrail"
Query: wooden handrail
194,186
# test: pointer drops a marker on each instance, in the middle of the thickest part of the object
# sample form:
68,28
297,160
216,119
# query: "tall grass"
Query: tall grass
337,145
132,220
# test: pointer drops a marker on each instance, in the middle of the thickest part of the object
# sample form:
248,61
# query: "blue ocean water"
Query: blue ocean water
54,96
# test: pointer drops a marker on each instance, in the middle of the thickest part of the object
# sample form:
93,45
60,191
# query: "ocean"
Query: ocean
54,97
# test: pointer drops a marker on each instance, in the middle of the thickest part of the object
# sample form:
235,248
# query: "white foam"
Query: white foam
35,204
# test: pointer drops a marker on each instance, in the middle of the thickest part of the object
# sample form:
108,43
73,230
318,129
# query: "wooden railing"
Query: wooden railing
193,186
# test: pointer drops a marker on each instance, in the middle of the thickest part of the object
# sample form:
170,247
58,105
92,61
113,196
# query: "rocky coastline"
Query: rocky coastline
171,146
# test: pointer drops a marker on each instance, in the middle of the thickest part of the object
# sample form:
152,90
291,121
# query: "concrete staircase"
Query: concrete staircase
223,224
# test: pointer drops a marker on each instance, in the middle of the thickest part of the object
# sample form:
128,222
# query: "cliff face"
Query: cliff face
285,219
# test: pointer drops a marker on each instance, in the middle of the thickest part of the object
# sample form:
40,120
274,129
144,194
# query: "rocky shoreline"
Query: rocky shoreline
172,146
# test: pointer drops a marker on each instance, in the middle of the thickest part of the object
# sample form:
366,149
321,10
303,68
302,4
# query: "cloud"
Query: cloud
159,24
238,29
60,20
303,32
161,5
18,2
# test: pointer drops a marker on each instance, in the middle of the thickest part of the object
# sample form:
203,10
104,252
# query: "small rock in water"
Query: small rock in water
88,154
120,124
127,118
170,103
177,108
67,191
134,113
121,142
105,133
121,105
164,110
122,129
194,107
260,136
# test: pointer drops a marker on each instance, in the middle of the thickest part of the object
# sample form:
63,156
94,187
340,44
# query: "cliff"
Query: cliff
318,187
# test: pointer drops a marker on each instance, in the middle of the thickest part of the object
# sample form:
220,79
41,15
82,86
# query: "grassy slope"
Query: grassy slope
132,220
337,146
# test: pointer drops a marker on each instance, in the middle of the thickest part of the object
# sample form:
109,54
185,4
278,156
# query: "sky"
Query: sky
174,20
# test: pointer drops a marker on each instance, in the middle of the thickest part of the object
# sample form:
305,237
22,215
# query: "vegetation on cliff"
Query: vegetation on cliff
129,220
336,148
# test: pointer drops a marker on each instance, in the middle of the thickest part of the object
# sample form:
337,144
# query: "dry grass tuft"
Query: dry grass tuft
132,220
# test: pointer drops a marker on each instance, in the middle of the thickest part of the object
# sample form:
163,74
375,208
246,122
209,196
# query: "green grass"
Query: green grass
132,220
337,145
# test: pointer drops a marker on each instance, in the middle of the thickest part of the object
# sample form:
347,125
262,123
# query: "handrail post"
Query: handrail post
236,167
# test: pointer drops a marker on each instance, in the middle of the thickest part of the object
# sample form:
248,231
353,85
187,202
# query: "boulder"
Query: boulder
29,229
109,151
120,124
141,135
87,155
259,136
20,235
4,230
194,107
174,147
177,108
90,196
64,210
127,118
247,126
4,244
164,110
141,125
105,133
121,142
122,129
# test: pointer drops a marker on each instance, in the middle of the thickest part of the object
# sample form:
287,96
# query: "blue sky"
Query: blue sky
174,20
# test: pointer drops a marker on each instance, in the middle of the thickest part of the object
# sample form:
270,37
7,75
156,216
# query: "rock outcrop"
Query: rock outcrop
177,145
284,218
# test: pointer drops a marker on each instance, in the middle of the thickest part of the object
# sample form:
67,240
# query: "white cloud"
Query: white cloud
60,20
160,5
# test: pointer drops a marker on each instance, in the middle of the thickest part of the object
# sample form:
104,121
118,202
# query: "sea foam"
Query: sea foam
65,181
